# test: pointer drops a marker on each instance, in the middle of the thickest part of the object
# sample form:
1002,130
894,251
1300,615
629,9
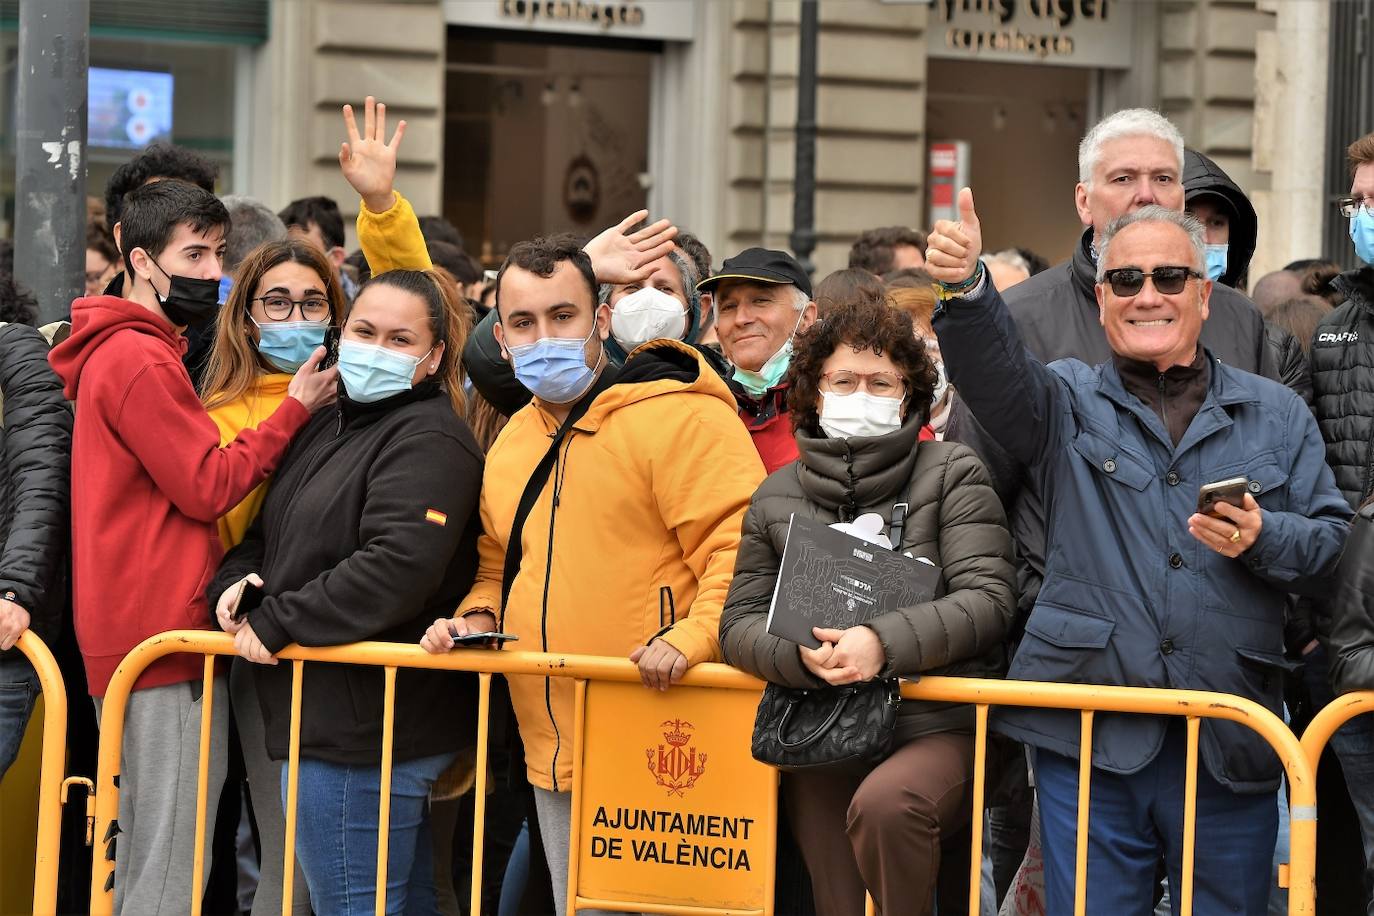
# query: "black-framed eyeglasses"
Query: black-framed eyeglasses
1168,281
279,308
1349,206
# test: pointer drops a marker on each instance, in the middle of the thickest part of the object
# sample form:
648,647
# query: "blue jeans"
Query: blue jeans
18,691
336,835
1136,819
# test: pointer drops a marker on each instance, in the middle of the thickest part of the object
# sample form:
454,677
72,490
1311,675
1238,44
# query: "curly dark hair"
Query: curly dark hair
862,326
159,160
17,304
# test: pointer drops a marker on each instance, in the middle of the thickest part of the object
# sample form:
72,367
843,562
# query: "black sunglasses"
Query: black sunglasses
1128,281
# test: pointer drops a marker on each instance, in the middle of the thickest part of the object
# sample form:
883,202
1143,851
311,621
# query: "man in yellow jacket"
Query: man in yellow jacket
625,546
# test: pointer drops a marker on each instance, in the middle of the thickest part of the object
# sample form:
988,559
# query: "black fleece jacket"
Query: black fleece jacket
36,448
369,532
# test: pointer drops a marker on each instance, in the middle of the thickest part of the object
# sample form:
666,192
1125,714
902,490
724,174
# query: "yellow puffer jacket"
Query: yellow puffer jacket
652,487
391,240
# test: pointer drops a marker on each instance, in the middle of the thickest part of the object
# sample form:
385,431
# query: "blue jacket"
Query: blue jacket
1130,597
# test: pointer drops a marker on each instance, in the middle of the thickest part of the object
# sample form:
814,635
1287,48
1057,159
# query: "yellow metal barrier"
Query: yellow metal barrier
1332,716
982,694
51,790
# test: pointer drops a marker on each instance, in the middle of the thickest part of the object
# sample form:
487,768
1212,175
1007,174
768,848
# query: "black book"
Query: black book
832,579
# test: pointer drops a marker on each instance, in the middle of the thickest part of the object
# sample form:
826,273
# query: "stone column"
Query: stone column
1290,133
324,53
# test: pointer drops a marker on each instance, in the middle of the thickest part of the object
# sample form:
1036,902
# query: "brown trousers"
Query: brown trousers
905,829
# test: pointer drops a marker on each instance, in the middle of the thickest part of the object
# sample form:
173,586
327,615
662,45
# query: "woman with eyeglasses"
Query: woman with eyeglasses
283,301
860,388
368,532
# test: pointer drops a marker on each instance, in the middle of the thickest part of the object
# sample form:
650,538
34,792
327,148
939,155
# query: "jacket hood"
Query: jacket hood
1202,176
491,375
858,471
94,320
1357,286
657,368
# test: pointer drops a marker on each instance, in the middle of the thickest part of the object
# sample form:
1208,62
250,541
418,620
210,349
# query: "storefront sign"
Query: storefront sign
671,807
668,20
949,161
1076,33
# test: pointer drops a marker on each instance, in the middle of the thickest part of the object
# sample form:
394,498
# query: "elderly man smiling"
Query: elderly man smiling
1140,589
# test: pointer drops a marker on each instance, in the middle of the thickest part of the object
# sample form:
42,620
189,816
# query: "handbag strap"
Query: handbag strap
821,729
897,527
535,486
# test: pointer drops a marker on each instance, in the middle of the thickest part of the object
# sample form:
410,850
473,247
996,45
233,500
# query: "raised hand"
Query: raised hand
368,161
621,256
953,247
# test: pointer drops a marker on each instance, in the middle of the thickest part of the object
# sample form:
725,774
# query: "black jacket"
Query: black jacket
369,531
1343,384
1056,313
1203,178
955,521
1352,598
35,484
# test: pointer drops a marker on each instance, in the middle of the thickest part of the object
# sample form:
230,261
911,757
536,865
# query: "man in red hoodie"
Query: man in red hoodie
149,481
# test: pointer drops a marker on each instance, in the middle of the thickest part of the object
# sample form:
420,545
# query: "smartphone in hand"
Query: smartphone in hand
1231,491
331,347
249,597
480,639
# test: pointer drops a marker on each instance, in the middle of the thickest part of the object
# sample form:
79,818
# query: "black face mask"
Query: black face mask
189,302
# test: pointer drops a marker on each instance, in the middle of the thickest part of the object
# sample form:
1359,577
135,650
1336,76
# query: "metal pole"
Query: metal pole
50,159
803,239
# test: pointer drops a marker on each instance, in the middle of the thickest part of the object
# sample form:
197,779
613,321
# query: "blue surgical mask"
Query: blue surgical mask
555,369
1216,261
1362,234
772,371
371,373
288,344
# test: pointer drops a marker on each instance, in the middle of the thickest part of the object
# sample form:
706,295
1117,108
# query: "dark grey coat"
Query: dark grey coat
955,520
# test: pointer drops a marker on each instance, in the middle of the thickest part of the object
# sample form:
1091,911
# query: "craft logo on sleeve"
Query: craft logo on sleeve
676,765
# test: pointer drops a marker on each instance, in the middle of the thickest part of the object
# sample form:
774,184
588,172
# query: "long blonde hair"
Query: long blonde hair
450,319
235,364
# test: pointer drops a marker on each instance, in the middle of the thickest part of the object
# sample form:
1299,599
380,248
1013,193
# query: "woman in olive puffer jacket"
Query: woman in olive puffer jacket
860,388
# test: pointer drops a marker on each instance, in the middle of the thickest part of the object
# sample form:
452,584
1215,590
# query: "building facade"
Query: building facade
564,115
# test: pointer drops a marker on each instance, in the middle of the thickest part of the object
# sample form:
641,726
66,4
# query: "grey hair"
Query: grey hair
686,273
1154,213
800,298
1130,122
252,224
1011,257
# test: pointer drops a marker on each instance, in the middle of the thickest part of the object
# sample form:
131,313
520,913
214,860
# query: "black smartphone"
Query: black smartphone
250,597
331,348
477,639
1231,491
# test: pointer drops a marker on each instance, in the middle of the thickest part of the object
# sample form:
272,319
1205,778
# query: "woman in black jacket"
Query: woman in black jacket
860,391
368,533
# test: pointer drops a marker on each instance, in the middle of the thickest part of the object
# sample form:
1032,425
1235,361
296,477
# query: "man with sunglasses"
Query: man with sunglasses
1140,588
1128,160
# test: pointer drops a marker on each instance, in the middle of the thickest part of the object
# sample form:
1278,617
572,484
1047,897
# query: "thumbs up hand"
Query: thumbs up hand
953,247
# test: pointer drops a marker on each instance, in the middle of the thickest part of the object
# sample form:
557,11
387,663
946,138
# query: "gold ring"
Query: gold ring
1235,536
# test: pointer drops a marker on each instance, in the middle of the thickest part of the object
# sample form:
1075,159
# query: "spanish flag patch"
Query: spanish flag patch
437,517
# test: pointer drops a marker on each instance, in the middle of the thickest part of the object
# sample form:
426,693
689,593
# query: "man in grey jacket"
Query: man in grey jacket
1140,588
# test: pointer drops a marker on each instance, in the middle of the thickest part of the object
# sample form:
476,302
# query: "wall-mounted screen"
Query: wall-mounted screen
128,109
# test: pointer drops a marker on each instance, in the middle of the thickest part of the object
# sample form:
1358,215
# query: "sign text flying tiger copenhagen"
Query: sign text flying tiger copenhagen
1090,33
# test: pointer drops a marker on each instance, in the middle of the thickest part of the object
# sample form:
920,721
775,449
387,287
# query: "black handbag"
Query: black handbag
797,729
805,729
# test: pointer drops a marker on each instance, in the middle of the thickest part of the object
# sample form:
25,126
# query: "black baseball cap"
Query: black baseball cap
760,265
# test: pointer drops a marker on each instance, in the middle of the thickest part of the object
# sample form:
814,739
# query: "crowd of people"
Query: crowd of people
599,448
